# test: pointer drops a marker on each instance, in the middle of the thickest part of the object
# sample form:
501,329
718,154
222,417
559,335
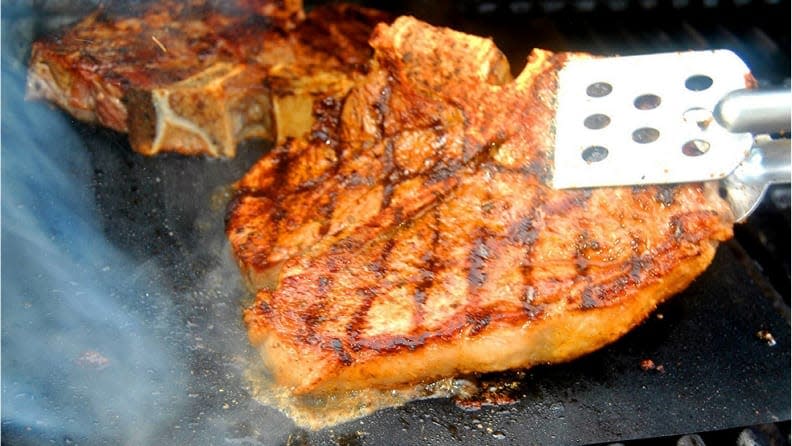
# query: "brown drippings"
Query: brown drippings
494,390
318,412
314,412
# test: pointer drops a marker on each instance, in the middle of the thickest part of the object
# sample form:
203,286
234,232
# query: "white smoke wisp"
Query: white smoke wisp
83,325
100,344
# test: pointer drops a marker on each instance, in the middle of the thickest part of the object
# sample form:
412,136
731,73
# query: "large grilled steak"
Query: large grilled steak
188,77
413,235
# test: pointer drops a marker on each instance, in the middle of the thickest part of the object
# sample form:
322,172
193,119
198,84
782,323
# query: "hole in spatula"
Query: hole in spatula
722,191
645,135
647,102
599,89
698,82
695,147
597,121
699,116
594,154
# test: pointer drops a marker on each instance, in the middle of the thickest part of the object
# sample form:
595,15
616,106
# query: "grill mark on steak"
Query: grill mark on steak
677,228
313,317
637,265
305,186
277,213
392,344
587,300
367,295
475,154
442,171
390,175
381,107
283,160
532,310
636,244
525,234
326,211
583,246
324,286
340,351
428,270
327,123
477,322
355,325
477,260
265,307
378,266
665,194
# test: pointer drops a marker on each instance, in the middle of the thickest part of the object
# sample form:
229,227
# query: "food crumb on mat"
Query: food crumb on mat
767,337
648,364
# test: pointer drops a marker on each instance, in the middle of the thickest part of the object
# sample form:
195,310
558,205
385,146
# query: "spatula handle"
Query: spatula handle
768,163
775,162
755,111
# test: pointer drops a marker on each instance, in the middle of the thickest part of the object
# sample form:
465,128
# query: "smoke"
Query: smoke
121,307
83,325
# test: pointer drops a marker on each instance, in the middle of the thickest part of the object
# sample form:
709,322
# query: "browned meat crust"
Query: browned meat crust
387,155
418,237
188,78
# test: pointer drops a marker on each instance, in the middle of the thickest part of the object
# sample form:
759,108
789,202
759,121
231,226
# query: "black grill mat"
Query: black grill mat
717,372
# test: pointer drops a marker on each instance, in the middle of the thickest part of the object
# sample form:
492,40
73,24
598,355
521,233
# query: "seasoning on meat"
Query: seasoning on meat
189,78
413,235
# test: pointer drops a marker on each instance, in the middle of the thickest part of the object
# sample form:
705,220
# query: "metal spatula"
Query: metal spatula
670,118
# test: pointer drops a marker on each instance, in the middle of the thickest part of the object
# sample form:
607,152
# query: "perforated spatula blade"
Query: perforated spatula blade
670,118
646,119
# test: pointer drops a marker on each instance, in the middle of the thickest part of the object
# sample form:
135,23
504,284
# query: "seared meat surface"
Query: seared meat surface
385,153
190,78
412,234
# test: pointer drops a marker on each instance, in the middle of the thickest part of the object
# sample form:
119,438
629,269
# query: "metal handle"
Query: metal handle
775,161
755,111
768,163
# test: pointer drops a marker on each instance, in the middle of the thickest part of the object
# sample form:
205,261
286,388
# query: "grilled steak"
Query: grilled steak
384,154
413,235
189,78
